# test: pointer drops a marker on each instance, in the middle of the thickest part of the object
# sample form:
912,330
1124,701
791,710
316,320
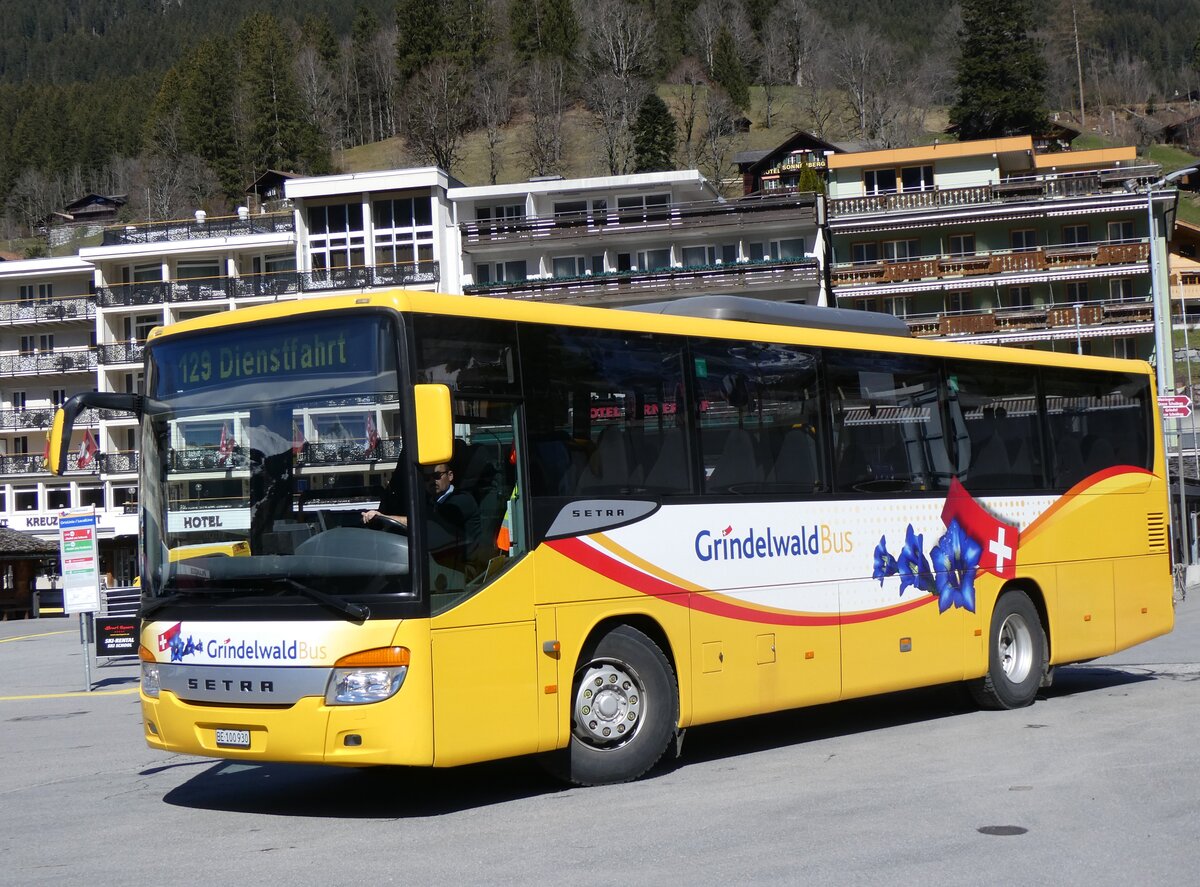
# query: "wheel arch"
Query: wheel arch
647,625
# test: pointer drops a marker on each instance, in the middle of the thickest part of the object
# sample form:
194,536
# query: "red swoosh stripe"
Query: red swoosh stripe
590,558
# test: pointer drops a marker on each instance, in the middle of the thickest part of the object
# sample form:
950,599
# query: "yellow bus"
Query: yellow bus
482,528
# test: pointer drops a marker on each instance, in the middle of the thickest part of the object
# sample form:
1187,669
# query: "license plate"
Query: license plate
233,738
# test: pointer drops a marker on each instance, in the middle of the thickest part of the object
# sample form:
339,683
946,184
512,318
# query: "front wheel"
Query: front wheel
1017,655
624,709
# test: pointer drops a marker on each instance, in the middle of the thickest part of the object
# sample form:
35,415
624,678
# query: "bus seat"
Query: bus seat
990,465
481,478
852,466
1068,461
737,466
670,471
610,467
1098,454
796,464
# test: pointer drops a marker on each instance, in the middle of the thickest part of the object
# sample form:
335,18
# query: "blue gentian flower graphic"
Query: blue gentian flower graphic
885,564
956,559
912,563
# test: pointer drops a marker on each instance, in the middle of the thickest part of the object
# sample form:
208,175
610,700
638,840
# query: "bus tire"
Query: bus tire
624,709
1017,655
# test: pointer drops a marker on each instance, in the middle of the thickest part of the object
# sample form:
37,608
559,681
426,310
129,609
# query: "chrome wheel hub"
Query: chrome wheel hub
608,705
1016,649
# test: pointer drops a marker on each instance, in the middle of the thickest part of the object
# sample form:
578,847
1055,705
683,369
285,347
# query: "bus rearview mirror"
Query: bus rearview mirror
435,424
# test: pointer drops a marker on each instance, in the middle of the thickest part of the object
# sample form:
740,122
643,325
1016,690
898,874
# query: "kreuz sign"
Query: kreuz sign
1175,406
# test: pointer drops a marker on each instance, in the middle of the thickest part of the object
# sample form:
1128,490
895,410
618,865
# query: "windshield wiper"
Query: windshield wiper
354,612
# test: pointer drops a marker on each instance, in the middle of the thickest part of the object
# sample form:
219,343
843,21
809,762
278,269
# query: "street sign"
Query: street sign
1175,406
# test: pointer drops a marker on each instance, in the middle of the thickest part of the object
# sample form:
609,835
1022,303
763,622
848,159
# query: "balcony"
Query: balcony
625,286
125,462
697,216
313,455
282,283
997,262
41,418
79,308
1037,322
1019,189
48,363
221,226
120,352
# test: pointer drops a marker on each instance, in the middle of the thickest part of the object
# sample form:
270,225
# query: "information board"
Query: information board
116,635
80,560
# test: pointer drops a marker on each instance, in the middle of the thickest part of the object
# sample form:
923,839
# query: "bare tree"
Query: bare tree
493,102
33,197
818,98
803,32
318,91
704,24
547,107
382,59
866,68
716,143
690,87
774,70
620,51
438,113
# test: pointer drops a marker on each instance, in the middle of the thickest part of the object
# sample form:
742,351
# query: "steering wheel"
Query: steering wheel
391,523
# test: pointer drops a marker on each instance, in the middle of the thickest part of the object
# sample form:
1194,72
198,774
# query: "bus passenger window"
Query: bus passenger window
1095,421
888,428
995,408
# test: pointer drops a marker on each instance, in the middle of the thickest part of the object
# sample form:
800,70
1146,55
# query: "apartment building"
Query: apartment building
993,242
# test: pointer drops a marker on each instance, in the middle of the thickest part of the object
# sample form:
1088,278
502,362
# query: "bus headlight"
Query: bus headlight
367,676
150,677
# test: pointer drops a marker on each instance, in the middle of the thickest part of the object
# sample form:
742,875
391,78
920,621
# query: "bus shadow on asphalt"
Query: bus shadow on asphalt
404,793
367,793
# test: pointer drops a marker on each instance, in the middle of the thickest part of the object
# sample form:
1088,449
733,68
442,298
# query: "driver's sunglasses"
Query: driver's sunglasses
438,475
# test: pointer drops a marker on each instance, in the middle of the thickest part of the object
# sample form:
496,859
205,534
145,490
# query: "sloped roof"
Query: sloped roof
14,544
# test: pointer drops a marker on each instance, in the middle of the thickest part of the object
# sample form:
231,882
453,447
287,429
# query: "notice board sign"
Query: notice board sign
80,560
116,635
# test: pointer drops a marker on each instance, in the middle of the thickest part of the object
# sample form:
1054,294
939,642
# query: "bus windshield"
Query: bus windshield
264,446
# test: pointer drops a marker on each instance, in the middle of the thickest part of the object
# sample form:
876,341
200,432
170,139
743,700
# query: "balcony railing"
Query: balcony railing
196,459
1023,188
1081,255
1032,318
42,417
693,215
78,308
689,280
221,226
124,462
51,362
120,352
281,283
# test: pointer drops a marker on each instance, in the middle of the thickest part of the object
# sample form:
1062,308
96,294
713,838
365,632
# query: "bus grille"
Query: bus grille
1156,531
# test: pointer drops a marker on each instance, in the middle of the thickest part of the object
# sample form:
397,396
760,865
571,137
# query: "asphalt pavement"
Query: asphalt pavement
1097,783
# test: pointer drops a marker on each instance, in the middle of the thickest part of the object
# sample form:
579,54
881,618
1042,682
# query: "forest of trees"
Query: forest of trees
181,103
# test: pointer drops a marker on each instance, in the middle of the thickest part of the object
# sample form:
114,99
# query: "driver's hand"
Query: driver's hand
368,516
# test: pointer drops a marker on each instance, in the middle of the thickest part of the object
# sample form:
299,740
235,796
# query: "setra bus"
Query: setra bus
407,528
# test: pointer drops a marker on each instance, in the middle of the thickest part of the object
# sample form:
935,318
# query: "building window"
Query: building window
1120,232
1121,289
500,272
148,273
58,396
1023,240
1125,346
917,178
26,500
901,306
958,303
200,269
138,327
46,343
135,383
403,230
20,445
1077,291
58,498
879,181
900,250
569,266
511,212
864,253
1020,296
570,208
18,400
638,207
28,344
335,237
91,496
1075,234
962,244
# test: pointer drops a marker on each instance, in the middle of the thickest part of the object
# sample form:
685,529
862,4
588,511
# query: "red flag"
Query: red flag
87,449
225,447
298,440
372,434
998,540
164,639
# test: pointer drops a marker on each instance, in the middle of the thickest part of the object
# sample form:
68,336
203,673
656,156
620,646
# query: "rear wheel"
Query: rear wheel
624,709
1017,655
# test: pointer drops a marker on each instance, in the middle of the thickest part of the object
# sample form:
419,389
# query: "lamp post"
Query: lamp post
1164,350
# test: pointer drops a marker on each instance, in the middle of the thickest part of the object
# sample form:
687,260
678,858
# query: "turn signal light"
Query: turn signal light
380,657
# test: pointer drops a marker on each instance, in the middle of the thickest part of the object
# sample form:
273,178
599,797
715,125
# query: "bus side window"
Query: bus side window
889,433
999,409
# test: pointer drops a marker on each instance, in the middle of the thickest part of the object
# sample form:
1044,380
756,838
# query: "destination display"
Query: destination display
328,347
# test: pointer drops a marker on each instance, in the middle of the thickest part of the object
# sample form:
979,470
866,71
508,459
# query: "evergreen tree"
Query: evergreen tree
1001,73
277,134
654,136
206,102
422,35
729,71
317,31
544,29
